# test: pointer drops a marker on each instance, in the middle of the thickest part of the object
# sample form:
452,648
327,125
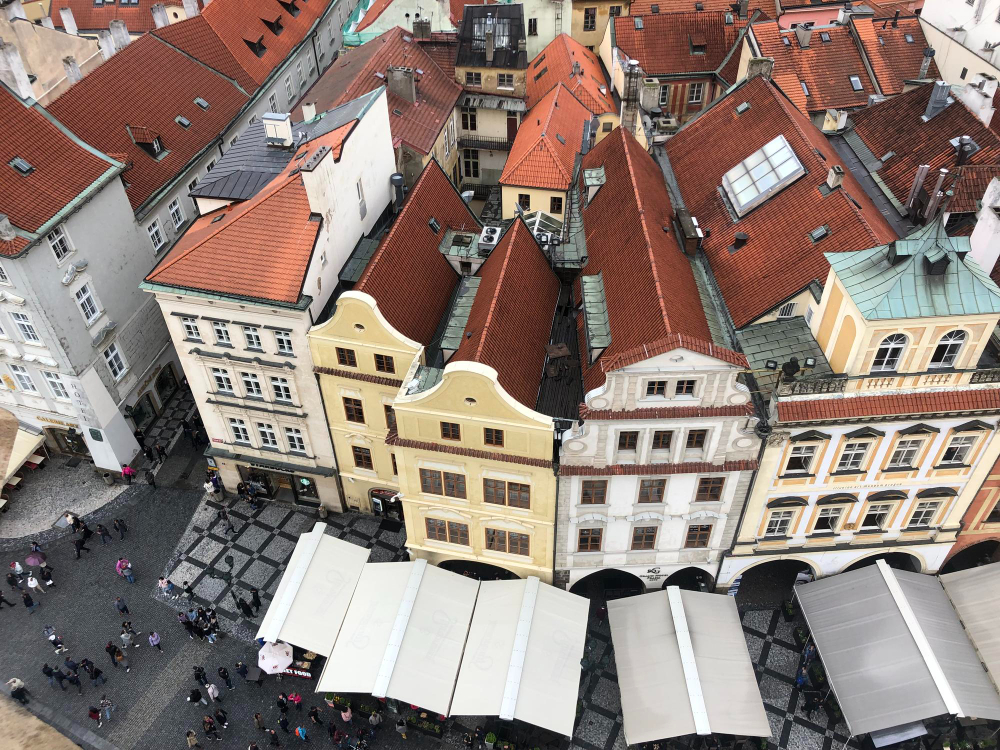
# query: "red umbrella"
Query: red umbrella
35,558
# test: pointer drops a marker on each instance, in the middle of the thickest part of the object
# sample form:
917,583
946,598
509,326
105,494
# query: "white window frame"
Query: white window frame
889,353
193,184
960,446
505,81
251,385
664,97
296,443
176,212
696,93
251,335
288,89
907,447
281,389
239,430
56,386
23,378
807,453
878,509
779,523
223,380
923,513
948,349
299,78
268,437
3,276
272,102
156,238
115,360
283,342
852,457
221,331
191,329
60,243
25,327
834,513
87,303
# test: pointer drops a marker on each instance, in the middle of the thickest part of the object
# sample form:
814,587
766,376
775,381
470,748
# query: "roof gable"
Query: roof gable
895,49
555,64
91,16
666,43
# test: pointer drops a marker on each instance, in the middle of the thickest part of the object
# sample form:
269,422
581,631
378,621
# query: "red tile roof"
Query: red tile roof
664,45
354,74
779,259
196,38
668,412
442,48
458,9
131,90
676,341
825,67
907,404
511,317
63,168
889,7
547,142
555,63
622,470
645,7
893,59
90,16
408,276
970,185
897,125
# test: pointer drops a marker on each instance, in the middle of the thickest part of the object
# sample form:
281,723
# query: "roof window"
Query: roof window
21,166
763,173
819,233
540,74
805,88
856,83
258,47
538,62
699,6
274,26
824,36
182,121
742,107
434,224
908,38
654,8
560,139
290,6
201,102
638,22
881,41
786,41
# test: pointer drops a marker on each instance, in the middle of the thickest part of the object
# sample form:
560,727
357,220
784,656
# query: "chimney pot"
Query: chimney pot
895,20
69,23
835,177
119,34
925,64
744,8
191,8
278,128
160,19
72,68
422,28
740,239
12,71
803,32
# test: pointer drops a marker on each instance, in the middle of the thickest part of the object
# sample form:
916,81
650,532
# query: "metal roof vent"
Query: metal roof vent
739,240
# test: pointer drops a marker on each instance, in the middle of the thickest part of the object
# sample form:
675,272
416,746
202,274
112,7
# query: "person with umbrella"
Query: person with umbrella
36,556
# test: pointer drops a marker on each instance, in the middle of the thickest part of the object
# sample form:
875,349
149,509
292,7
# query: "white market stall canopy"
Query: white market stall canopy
894,650
315,591
683,667
975,594
26,442
522,659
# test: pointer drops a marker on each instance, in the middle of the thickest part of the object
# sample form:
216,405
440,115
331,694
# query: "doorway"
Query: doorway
608,584
143,412
511,126
166,383
67,441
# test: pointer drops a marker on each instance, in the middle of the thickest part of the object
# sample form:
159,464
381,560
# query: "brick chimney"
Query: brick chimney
402,84
15,10
803,32
191,8
72,69
12,71
422,28
69,23
119,34
159,12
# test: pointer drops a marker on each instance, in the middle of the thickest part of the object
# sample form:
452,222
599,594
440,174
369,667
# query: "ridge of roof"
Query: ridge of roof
559,56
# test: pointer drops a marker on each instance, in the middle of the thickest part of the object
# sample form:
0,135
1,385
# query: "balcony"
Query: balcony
484,143
876,383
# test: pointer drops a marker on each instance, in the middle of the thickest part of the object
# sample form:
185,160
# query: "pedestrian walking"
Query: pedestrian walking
252,746
128,473
120,527
283,723
161,452
224,676
808,654
347,716
5,601
32,583
54,675
148,454
213,692
258,721
300,732
189,434
96,675
208,487
30,603
188,626
273,737
241,669
18,691
222,718
401,727
282,703
375,720
245,608
110,649
78,545
121,605
154,640
199,675
45,573
314,715
150,478
13,581
195,696
296,700
124,569
71,665
122,659
74,679
211,730
106,707
802,678
102,531
167,588
85,532
188,591
127,639
255,601
95,713
192,739
812,702
57,644
16,569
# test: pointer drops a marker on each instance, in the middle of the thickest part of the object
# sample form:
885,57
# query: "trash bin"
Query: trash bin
108,479
323,511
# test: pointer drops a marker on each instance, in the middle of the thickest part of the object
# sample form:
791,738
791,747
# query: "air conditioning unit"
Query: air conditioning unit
666,124
489,239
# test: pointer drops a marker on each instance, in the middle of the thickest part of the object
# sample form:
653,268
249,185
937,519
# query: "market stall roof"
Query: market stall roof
894,649
975,594
683,667
26,442
315,591
403,635
522,659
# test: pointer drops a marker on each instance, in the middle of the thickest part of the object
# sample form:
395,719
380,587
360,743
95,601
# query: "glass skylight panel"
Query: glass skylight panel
761,174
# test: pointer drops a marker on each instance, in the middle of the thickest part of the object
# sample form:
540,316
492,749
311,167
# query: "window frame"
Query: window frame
192,331
532,27
923,507
698,87
826,512
296,440
596,490
221,332
628,440
474,78
362,458
654,489
223,381
641,537
284,386
655,388
801,458
175,206
267,436
949,350
696,435
84,297
916,448
385,363
657,440
25,327
505,81
555,204
716,486
781,519
62,239
698,535
252,387
22,377
283,343
354,409
893,356
879,507
493,436
865,446
54,382
112,357
156,237
451,431
252,333
594,539
969,443
590,19
239,431
686,387
346,357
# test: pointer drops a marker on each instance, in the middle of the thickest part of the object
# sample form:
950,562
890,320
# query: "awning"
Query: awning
683,667
894,649
522,658
975,594
315,591
26,442
403,635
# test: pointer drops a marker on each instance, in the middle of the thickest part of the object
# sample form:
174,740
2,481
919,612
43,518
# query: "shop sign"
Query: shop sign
291,672
653,575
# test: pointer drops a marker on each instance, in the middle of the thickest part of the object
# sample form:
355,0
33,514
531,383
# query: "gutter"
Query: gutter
148,286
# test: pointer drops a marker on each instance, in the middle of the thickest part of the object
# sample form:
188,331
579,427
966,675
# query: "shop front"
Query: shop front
308,486
386,503
279,485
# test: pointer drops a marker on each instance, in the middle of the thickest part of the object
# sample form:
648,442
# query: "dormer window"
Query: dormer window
824,36
274,26
290,6
889,353
699,45
257,47
760,175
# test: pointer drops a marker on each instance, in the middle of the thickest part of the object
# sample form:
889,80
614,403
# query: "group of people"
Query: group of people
82,532
23,582
200,622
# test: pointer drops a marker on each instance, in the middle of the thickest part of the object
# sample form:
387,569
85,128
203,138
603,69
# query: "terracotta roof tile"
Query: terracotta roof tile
62,168
621,470
970,185
893,59
889,7
905,404
511,317
371,15
645,7
130,90
555,63
668,412
408,276
442,47
676,341
547,142
664,45
196,38
779,259
897,125
418,124
90,16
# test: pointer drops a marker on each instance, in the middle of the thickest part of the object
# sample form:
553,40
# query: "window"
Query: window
240,433
876,516
362,458
664,96
555,205
251,385
709,489
656,388
176,213
644,537
384,363
994,515
695,93
909,37
614,11
436,530
283,340
684,388
55,384
390,416
431,482
232,141
454,485
697,536
946,352
470,162
589,540
298,74
805,88
252,337
25,327
267,437
155,236
272,102
696,440
222,380
353,410
787,310
496,540
458,533
594,492
889,352
395,471
295,442
221,333
512,494
589,19
779,522
518,544
505,80
85,299
468,118
661,440
208,167
852,458
24,381
3,276
761,174
964,73
191,330
524,201
442,483
923,514
905,454
473,79
346,357
493,436
856,83
451,431
627,440
532,27
800,459
59,242
828,519
288,88
652,490
958,449
116,363
281,390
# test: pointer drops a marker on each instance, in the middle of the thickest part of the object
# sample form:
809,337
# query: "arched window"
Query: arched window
890,351
946,352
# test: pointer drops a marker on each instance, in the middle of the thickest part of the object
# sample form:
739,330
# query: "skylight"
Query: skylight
182,121
763,173
908,38
22,166
786,41
805,88
201,102
856,83
824,36
638,22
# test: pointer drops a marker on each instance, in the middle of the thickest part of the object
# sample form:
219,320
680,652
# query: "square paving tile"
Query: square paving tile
759,620
184,571
206,550
777,722
775,691
607,695
802,738
594,728
273,515
299,523
252,537
783,660
754,645
279,549
210,588
258,573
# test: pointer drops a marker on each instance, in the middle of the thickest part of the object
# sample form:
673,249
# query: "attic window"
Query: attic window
729,19
257,47
542,73
182,121
805,88
699,45
699,6
218,218
824,36
638,22
290,6
856,83
274,26
908,38
786,41
654,8
819,233
201,102
398,112
21,166
763,173
560,139
743,107
434,225
881,41
538,62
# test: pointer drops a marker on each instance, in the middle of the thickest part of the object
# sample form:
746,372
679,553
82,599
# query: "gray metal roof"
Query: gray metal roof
781,340
458,315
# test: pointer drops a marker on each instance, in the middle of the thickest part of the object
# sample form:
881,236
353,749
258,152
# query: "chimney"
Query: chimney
396,182
844,14
12,71
966,148
402,84
72,69
925,64
191,8
7,233
69,23
159,12
985,238
489,45
939,99
803,32
16,10
918,182
308,111
47,22
119,34
978,95
835,177
576,67
106,43
744,8
895,20
278,129
739,240
936,195
422,28
760,66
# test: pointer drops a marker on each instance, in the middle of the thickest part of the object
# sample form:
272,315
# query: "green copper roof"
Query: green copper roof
458,316
595,312
926,274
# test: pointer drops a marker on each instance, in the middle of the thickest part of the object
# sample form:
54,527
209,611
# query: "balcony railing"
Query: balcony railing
484,143
886,382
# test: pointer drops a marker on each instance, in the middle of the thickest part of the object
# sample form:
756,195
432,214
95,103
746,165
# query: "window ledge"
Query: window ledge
594,505
797,475
951,466
848,472
917,528
193,341
253,349
870,532
224,346
898,469
822,534
284,354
